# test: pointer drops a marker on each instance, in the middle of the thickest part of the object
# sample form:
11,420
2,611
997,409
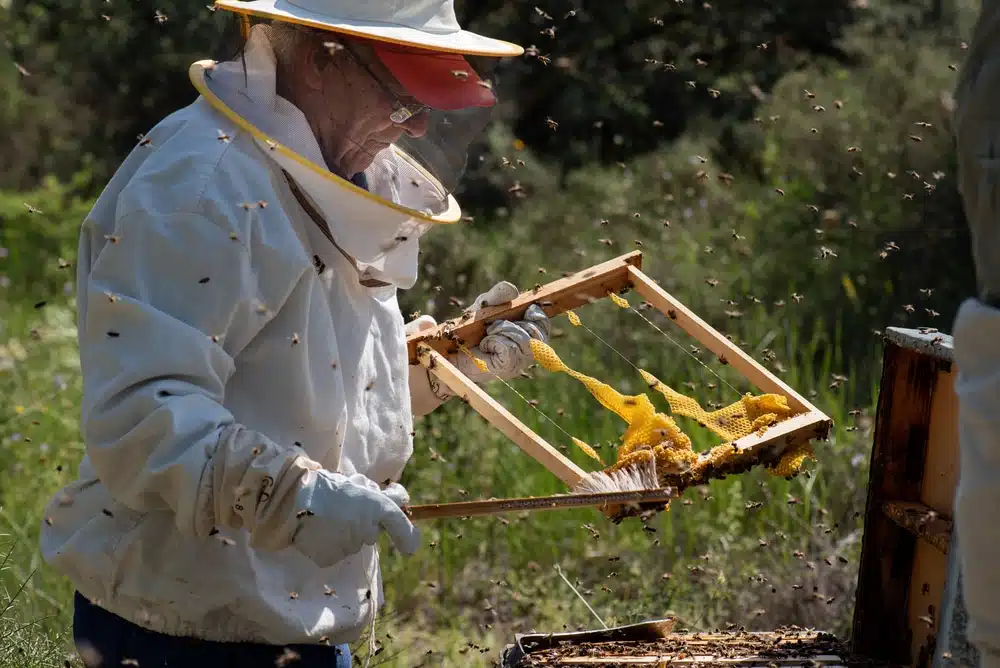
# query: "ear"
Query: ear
313,63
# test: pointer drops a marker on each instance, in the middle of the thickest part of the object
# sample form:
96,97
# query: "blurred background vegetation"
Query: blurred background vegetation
787,168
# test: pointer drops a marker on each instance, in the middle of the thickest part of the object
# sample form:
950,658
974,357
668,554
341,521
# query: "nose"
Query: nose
416,126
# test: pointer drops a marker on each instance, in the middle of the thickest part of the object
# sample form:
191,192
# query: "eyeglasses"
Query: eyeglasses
402,111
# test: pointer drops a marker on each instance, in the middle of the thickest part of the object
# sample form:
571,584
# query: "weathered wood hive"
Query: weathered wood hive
908,607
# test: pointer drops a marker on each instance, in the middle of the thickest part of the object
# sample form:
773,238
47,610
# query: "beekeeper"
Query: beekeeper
976,332
247,403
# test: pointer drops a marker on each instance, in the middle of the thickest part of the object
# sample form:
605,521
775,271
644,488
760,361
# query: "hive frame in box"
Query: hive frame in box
432,348
654,644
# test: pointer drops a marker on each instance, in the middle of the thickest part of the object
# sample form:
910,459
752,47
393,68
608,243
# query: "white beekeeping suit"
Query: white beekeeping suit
247,392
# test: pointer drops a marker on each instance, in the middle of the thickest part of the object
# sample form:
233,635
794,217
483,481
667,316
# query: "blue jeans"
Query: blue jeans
107,638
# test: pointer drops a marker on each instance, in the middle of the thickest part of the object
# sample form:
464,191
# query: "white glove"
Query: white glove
338,515
506,348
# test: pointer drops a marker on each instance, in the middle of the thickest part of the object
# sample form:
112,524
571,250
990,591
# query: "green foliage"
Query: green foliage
106,72
24,640
791,212
38,236
629,64
625,66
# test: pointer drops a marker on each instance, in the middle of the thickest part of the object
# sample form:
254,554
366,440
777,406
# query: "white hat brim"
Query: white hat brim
461,41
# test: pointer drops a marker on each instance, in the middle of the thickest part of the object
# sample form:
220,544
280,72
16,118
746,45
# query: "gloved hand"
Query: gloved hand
338,515
506,348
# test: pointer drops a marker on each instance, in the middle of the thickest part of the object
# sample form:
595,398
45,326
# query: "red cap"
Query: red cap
442,81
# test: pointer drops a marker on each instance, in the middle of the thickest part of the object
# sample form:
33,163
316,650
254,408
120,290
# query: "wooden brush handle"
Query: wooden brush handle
554,298
559,501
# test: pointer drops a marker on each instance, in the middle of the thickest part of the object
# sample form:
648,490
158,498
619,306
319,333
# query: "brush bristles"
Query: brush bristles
641,476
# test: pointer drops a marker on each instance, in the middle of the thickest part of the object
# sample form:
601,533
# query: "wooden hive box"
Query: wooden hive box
909,595
908,607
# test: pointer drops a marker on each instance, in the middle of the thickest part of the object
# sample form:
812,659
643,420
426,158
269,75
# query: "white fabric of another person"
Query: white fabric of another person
977,498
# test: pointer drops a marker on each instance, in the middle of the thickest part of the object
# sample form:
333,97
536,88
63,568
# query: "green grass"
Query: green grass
716,557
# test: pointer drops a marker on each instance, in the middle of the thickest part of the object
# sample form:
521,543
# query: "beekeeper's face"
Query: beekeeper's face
349,99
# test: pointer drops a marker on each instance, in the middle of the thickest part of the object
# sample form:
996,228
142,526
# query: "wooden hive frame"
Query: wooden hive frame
431,348
903,578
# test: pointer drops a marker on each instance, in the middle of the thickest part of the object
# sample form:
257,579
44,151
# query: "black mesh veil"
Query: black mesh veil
435,157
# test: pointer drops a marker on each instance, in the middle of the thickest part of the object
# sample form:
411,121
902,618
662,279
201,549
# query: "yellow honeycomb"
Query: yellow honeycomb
741,418
792,459
652,435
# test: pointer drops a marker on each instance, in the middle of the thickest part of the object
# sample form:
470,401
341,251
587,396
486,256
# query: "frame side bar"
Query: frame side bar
502,419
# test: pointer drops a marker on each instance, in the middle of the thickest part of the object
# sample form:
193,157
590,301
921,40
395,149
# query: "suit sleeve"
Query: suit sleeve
167,302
